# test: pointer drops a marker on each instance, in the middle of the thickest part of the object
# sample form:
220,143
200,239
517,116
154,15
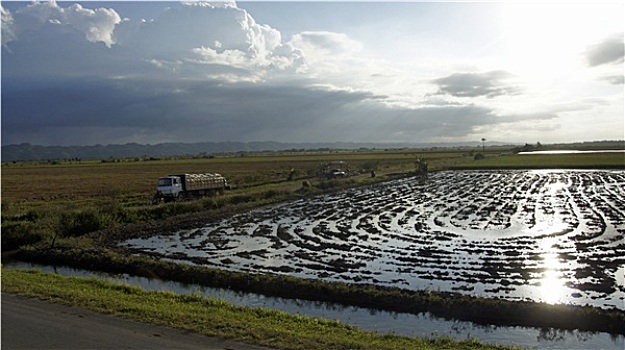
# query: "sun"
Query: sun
547,40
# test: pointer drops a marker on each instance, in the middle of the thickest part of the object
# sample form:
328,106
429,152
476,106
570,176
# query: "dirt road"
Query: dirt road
35,324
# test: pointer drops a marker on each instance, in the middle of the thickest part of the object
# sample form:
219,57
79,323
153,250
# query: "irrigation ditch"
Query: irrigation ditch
423,325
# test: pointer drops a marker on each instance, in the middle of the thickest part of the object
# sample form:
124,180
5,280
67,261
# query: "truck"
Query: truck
182,186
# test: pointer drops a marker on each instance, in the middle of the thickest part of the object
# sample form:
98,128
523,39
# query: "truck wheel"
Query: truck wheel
179,197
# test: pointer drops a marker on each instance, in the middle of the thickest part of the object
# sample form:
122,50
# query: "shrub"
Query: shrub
18,233
274,194
324,185
209,203
83,221
241,198
370,166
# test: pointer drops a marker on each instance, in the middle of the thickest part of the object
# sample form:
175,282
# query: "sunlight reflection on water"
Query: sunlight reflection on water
552,287
620,276
551,284
422,325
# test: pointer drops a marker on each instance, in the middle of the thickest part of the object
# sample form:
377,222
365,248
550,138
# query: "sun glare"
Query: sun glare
547,40
551,283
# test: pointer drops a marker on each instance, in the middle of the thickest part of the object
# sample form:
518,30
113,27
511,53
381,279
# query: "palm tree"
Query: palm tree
483,147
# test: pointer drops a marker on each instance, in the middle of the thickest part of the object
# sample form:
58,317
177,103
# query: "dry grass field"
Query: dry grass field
134,181
43,200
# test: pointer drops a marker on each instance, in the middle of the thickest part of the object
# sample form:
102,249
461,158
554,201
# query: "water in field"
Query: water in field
573,151
549,236
423,325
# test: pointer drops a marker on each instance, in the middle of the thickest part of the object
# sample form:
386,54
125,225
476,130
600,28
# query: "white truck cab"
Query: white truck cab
183,186
170,186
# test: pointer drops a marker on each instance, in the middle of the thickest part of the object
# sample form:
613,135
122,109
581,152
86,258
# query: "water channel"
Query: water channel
421,325
572,152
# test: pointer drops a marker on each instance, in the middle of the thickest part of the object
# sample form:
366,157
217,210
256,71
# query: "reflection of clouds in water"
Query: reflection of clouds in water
516,235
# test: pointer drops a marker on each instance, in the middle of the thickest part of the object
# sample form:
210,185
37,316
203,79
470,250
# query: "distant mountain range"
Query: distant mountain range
26,152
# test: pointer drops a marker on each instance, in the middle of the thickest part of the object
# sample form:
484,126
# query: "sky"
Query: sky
87,72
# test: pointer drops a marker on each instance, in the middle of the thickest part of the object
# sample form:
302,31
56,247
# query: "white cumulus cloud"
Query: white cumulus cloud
326,54
97,25
321,45
7,26
208,39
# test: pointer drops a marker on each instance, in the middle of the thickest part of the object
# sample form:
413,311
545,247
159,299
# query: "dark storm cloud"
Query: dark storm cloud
609,51
488,84
191,111
150,111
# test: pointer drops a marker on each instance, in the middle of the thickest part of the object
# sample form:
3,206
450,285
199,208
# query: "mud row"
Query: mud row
552,236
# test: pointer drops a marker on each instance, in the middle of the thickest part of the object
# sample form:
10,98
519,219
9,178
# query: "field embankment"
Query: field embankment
441,304
614,160
213,317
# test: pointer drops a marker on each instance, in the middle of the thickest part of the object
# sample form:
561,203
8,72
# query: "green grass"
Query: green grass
79,254
214,317
548,161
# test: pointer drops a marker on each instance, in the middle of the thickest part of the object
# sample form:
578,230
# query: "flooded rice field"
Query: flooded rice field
551,236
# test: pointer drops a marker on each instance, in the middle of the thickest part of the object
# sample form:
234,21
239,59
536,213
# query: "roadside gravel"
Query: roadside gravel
36,324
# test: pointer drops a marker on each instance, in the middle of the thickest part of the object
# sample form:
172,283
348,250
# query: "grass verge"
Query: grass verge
548,161
214,317
440,304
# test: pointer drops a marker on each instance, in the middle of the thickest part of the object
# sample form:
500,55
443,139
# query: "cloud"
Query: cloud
609,51
325,53
615,79
210,40
83,111
209,72
170,110
325,43
214,40
487,84
8,29
96,25
211,4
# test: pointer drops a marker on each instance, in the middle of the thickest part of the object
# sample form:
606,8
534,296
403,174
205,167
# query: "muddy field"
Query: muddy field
552,236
